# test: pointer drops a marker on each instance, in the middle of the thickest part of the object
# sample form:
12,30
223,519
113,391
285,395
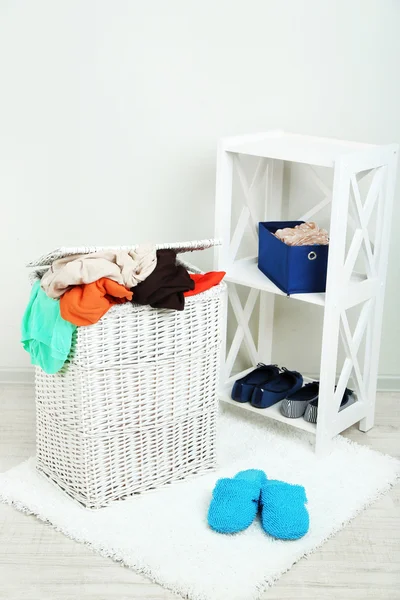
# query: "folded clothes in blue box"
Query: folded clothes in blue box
293,269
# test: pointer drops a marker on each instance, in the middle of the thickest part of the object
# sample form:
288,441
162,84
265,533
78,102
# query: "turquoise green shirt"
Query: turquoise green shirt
45,334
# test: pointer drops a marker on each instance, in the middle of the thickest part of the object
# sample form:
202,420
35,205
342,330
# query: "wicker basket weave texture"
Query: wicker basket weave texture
135,406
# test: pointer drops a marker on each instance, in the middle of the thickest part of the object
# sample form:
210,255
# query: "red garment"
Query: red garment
85,304
205,281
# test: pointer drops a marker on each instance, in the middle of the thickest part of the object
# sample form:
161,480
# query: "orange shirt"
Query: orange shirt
85,304
205,281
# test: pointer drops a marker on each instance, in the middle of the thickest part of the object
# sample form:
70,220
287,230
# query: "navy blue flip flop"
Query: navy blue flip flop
243,388
285,383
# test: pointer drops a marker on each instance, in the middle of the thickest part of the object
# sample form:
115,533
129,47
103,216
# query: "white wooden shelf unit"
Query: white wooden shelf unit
349,211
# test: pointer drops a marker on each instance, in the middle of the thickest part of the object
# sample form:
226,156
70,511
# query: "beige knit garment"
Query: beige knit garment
126,268
306,234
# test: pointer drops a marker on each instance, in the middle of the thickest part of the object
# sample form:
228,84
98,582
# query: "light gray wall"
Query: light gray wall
110,114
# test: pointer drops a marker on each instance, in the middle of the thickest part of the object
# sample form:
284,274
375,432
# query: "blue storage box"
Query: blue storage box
293,269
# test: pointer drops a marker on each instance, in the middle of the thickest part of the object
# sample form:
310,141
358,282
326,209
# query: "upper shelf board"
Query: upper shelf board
323,152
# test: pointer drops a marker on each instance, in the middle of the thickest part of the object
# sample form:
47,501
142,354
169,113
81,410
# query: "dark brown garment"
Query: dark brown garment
164,287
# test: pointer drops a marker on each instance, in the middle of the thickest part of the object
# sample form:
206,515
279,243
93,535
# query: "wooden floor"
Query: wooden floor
36,563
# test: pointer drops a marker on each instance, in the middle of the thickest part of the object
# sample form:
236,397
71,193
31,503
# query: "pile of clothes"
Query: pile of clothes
78,290
306,234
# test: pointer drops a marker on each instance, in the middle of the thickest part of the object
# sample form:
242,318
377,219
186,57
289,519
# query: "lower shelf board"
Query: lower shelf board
273,412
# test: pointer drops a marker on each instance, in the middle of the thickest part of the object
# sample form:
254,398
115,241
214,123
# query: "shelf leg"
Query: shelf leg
381,256
266,327
273,212
323,445
223,201
331,326
223,207
223,375
330,344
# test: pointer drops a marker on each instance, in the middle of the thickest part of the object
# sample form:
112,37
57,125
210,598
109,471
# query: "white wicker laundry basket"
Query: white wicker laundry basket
135,405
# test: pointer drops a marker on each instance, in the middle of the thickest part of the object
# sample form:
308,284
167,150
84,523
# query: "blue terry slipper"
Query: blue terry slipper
283,511
235,501
243,388
285,383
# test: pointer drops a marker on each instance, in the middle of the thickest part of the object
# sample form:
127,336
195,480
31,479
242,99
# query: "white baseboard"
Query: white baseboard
386,383
22,376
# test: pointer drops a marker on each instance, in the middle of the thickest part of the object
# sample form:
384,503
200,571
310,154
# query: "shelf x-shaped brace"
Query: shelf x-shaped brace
243,330
362,215
248,212
351,364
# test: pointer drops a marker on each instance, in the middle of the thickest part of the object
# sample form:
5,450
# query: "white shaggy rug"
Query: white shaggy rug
164,534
